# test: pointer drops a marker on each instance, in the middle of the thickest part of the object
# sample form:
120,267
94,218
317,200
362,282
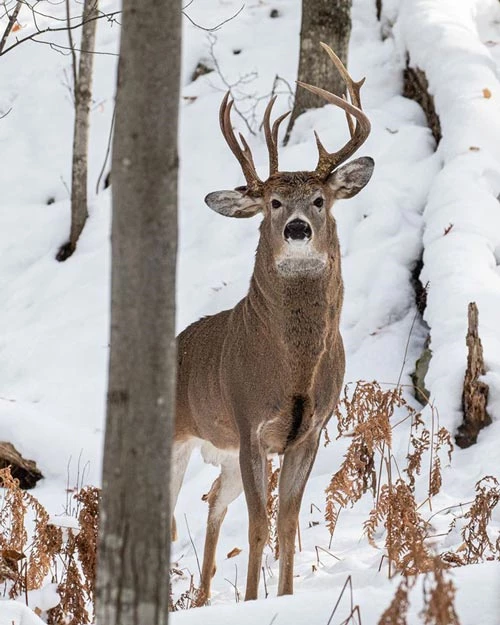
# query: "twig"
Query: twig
214,28
72,46
193,545
348,582
108,150
299,537
407,347
265,584
50,29
235,585
317,547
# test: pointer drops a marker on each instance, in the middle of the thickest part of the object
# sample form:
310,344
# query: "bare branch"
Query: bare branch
10,24
108,150
49,29
71,45
214,28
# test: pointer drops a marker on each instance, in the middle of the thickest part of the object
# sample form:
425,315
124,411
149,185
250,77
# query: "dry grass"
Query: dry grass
48,553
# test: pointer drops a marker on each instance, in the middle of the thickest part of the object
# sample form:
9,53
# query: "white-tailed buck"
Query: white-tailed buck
264,377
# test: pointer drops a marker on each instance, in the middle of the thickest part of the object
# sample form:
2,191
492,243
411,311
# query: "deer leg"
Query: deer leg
224,490
295,470
254,474
181,452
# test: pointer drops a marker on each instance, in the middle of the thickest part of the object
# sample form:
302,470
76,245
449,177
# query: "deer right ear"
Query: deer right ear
234,203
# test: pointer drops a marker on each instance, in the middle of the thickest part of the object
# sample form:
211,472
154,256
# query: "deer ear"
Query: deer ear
348,180
234,203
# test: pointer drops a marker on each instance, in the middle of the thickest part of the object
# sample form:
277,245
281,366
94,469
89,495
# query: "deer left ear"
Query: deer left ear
234,203
348,180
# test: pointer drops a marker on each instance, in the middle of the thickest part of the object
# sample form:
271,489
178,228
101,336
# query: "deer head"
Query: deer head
297,225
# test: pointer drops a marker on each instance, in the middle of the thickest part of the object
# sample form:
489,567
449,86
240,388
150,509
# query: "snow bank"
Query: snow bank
462,216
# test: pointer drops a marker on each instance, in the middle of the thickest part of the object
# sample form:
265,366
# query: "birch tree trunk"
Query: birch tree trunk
83,98
328,21
133,564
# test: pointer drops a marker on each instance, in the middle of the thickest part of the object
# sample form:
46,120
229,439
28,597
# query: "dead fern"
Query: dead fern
397,612
439,598
272,507
35,551
477,543
406,530
365,418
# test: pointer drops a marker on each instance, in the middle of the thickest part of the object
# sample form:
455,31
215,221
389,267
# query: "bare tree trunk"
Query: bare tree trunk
328,21
83,97
133,564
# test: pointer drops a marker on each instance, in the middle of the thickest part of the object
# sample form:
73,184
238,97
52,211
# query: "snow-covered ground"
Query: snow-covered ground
55,317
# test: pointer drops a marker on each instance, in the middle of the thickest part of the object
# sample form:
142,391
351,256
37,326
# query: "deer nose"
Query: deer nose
297,229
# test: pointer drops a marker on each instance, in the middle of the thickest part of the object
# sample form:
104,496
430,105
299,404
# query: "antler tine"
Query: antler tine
327,161
243,156
272,135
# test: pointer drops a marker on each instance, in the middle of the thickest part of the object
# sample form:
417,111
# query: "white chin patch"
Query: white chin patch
300,258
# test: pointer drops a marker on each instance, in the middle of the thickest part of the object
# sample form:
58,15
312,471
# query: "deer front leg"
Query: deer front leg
224,490
254,475
295,470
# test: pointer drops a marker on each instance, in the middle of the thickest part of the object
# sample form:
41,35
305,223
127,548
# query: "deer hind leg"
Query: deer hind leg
295,470
253,465
224,490
181,453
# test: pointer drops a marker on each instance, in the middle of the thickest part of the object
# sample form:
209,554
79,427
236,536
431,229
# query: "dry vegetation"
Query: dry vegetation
36,550
369,466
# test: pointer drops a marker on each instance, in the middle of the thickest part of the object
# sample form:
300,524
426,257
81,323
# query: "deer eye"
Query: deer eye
275,203
319,201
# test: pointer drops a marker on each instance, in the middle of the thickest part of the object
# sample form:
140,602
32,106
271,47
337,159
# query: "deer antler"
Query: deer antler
243,155
272,135
328,161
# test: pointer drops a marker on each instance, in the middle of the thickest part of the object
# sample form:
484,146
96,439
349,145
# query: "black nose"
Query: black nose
297,229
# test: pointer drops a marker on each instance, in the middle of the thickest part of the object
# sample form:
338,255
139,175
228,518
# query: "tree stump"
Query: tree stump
21,469
475,393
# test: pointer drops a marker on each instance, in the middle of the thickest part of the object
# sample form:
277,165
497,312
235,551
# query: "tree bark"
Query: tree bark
328,21
132,581
475,392
83,98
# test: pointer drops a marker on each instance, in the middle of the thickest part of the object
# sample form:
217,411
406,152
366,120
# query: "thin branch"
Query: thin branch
71,45
58,47
108,150
49,29
193,545
10,25
5,114
214,28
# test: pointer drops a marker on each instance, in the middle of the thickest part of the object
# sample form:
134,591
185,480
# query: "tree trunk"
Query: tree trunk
328,21
83,97
132,580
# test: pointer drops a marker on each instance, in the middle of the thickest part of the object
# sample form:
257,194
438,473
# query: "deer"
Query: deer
264,377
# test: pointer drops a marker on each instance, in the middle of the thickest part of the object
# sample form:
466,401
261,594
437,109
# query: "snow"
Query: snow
55,317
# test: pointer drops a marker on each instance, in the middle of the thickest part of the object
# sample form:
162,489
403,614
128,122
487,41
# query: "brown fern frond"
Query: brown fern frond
86,541
439,598
397,612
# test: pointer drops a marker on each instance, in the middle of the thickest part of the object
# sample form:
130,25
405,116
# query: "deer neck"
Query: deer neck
299,314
